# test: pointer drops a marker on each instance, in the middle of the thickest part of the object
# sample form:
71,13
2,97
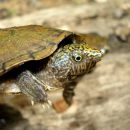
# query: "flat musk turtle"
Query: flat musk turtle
41,58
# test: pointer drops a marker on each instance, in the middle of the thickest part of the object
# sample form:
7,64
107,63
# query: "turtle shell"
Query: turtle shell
21,44
33,42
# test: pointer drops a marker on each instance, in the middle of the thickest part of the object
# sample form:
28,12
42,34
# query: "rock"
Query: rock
102,97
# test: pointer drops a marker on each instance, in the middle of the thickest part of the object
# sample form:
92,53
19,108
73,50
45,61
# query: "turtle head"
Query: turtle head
73,60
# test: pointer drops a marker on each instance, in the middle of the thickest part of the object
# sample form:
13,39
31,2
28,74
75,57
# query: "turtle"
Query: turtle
37,59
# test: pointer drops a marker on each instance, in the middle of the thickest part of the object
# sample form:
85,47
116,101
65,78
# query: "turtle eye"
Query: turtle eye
77,57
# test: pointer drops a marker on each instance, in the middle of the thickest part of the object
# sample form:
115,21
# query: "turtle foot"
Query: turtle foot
60,106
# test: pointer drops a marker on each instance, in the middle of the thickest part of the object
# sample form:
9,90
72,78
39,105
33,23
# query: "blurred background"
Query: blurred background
102,100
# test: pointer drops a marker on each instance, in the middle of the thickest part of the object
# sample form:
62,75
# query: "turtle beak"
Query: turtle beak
96,55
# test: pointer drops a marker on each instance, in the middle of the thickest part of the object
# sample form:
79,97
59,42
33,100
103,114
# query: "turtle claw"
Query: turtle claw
43,106
50,103
49,88
32,102
46,105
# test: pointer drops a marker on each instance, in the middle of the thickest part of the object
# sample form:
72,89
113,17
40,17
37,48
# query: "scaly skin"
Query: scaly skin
23,48
63,67
69,62
66,64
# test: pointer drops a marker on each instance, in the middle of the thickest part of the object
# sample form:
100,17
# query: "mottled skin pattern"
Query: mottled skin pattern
35,59
64,66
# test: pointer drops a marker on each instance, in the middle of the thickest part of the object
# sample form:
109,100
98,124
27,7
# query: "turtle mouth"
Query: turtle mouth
80,69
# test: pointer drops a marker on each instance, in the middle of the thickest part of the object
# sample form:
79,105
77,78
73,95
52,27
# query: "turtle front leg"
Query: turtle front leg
32,87
63,104
68,94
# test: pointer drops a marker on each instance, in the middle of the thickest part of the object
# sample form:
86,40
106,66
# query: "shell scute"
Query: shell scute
21,44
